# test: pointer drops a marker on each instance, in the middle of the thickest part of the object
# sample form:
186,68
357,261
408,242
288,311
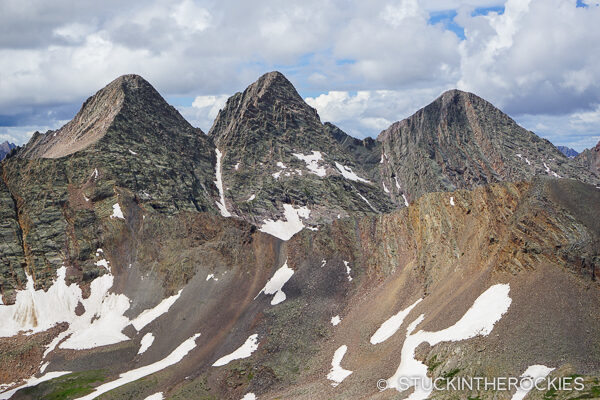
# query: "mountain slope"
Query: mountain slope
590,158
276,151
498,236
461,141
126,145
121,278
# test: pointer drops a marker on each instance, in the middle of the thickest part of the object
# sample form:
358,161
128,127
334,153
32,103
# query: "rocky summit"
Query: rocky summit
278,257
277,153
462,141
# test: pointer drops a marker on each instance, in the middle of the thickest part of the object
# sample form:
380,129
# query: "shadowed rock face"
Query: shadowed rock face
591,158
259,131
462,141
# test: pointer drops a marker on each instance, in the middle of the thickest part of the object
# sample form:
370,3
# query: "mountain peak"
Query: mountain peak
96,116
271,102
274,87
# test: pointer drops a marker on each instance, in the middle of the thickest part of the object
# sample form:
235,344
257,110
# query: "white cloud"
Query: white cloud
374,62
204,110
367,113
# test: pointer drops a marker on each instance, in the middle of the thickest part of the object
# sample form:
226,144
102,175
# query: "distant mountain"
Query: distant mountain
591,158
567,151
276,151
5,148
462,141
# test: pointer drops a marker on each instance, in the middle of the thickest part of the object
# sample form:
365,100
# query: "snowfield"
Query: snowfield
146,342
244,351
349,174
480,319
285,229
391,326
127,377
275,284
151,314
219,183
312,162
337,374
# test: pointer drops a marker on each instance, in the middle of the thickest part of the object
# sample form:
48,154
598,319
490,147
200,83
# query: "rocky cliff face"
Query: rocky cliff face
276,151
462,141
590,158
128,281
5,148
126,145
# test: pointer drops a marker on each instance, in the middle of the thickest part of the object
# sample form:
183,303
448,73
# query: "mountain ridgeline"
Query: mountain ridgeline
278,257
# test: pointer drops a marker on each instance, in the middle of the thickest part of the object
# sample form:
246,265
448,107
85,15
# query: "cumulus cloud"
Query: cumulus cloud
367,113
361,64
204,110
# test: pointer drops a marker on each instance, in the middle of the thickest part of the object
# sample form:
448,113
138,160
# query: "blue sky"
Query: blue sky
362,65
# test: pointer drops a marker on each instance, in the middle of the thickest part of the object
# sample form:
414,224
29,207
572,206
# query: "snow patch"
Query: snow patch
550,172
249,396
335,320
337,374
385,189
127,377
151,314
237,166
405,200
219,182
211,276
103,321
397,183
348,270
275,284
452,201
155,396
146,342
391,326
117,213
252,197
285,229
367,201
349,174
133,152
480,319
36,310
244,351
536,373
32,382
312,162
102,263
